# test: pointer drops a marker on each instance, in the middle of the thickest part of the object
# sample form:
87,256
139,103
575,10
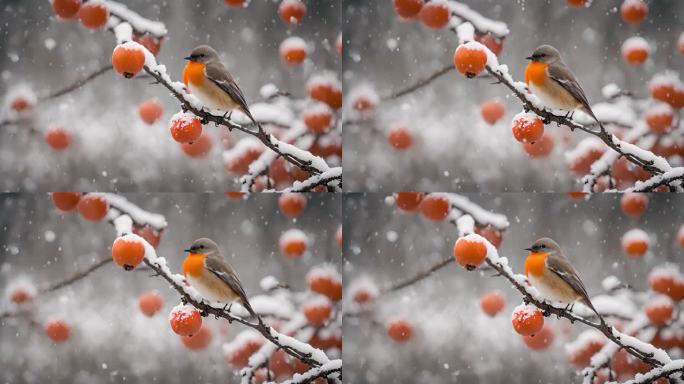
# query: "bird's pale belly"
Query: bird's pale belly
213,97
212,288
554,96
553,288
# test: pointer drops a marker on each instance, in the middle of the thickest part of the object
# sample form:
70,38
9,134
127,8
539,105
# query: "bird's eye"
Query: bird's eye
543,246
201,246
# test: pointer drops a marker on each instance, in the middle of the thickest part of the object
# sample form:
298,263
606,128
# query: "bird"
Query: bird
548,270
550,79
206,270
207,78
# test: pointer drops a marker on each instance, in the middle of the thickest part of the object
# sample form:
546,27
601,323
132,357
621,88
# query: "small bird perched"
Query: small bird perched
552,274
206,270
207,78
550,79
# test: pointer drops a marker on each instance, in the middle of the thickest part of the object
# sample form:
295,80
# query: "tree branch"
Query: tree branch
418,84
77,276
76,85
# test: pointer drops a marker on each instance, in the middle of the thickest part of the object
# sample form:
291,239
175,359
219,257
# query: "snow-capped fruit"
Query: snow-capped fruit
435,14
326,281
634,204
408,9
492,235
470,251
128,60
65,201
198,148
239,350
540,148
634,11
292,204
492,303
148,233
293,50
400,138
93,207
66,9
635,50
527,128
317,311
659,118
185,127
20,104
490,41
362,296
325,88
540,340
185,320
148,41
586,153
667,88
659,311
20,296
635,243
527,320
292,12
399,330
198,340
93,15
58,330
318,118
150,303
293,243
435,207
408,201
128,252
150,111
587,344
492,110
470,59
58,138
671,283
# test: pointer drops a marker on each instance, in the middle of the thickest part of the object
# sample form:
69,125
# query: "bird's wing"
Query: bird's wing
562,268
223,270
222,78
562,75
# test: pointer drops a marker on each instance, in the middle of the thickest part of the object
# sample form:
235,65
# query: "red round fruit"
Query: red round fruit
65,201
58,138
185,127
400,138
128,252
292,12
93,207
93,15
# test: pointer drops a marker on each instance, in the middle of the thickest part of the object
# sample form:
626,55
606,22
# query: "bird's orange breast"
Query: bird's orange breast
536,73
535,263
193,264
193,73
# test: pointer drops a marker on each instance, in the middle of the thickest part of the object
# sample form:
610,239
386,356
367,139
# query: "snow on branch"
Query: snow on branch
120,13
482,25
481,216
305,352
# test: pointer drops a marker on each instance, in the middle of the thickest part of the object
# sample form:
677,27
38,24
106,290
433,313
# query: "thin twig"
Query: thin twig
418,84
75,85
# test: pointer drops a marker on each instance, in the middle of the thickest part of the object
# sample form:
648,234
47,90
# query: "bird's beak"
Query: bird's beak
528,249
187,58
528,58
187,250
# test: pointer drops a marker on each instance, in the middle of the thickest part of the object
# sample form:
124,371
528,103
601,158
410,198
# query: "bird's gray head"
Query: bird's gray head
544,245
203,54
203,245
545,54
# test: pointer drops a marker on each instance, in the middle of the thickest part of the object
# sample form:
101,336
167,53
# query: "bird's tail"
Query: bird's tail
249,308
249,114
588,110
588,303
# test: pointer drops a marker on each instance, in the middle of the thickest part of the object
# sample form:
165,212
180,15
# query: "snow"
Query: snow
363,91
610,90
618,113
324,271
138,22
635,235
139,215
667,270
465,225
481,216
23,283
248,336
241,149
635,43
659,108
289,341
306,156
523,312
655,180
589,336
665,78
301,185
269,305
123,33
660,301
674,366
318,108
644,347
184,118
480,22
268,283
365,284
123,224
314,372
610,283
318,301
324,78
269,90
618,305
465,32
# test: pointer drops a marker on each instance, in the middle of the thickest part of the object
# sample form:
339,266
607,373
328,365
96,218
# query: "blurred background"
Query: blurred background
112,148
111,340
453,341
453,148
